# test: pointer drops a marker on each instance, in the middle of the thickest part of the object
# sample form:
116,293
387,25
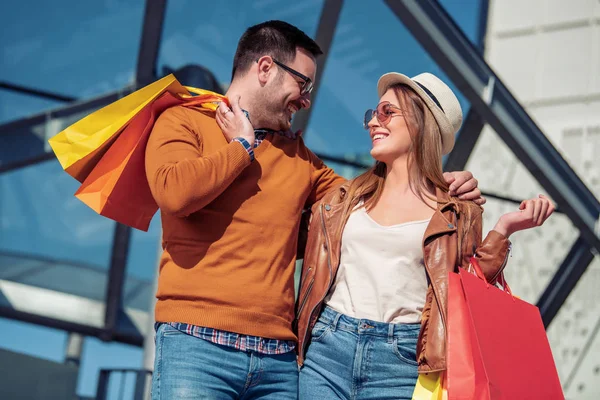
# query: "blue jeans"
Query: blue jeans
187,367
352,358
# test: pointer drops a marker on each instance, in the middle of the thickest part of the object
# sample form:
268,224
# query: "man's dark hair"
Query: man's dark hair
277,39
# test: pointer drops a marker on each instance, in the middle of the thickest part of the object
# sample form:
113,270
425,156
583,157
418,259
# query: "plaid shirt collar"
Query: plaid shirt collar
260,133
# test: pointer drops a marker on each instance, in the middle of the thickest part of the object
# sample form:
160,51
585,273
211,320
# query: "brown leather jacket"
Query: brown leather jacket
440,248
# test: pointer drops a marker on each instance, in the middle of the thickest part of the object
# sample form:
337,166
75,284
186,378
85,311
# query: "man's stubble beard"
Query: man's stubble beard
272,110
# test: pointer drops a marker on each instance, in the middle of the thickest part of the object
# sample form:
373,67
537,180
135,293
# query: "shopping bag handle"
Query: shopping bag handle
204,92
504,284
479,272
209,100
198,91
202,97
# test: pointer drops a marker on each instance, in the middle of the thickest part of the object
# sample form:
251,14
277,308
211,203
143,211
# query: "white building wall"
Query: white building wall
548,54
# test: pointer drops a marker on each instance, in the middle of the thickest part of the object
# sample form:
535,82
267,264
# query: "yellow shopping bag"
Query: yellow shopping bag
430,387
80,146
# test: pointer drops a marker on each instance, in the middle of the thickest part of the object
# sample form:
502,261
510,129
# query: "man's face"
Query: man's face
283,93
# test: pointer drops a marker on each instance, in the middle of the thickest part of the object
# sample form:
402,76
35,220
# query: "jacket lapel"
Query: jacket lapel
443,220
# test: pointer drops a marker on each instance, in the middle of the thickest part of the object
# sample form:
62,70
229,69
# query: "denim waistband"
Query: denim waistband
341,321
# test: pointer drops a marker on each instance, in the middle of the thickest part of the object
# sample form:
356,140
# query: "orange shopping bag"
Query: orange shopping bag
117,187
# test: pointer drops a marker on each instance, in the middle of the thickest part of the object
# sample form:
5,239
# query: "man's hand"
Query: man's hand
464,185
532,213
233,122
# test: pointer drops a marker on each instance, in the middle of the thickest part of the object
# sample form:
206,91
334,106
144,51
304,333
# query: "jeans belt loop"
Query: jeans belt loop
335,321
391,333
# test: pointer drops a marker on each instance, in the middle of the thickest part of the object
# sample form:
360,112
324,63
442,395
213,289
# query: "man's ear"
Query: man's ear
265,69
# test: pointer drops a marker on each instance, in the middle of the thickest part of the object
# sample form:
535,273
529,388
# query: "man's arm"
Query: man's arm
181,178
323,180
462,183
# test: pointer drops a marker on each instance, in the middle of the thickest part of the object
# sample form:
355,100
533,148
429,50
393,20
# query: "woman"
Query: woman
373,294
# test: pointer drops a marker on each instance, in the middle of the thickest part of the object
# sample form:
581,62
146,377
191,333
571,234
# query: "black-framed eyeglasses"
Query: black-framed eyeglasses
308,84
384,112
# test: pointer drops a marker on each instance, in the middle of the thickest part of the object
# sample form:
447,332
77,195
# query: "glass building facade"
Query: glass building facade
72,51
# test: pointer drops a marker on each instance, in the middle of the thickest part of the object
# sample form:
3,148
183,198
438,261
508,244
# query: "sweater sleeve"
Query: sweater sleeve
182,179
323,179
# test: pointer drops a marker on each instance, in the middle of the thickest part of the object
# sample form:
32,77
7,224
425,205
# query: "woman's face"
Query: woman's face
388,130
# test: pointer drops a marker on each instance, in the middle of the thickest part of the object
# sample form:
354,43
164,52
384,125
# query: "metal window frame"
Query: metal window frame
465,142
41,118
44,94
565,279
330,15
152,29
154,16
142,377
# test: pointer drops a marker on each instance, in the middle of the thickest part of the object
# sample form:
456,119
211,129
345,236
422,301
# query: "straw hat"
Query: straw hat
437,95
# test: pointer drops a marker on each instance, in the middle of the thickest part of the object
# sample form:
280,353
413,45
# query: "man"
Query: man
230,199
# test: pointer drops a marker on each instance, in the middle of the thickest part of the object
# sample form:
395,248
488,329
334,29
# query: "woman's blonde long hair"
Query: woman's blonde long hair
424,159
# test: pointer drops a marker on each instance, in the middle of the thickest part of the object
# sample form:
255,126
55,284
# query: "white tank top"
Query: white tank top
381,276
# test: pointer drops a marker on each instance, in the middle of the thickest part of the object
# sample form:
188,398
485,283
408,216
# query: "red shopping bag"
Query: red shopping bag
497,345
117,187
465,378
